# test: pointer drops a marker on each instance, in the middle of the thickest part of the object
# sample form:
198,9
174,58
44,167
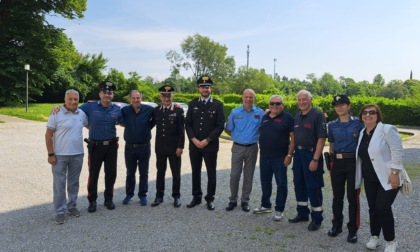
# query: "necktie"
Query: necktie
165,109
204,102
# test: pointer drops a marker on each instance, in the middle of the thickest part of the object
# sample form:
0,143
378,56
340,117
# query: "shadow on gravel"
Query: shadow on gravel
165,228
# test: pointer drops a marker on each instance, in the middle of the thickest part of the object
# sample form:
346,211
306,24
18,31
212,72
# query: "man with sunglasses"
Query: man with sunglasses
204,123
102,143
243,126
310,134
276,151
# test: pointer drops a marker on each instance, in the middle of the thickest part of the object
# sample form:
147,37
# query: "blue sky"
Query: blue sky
356,39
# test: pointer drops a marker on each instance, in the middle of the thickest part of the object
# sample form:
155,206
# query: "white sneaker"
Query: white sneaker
373,243
278,216
391,246
261,210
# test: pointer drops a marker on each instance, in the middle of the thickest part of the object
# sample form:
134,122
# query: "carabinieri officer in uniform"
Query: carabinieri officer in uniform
204,123
343,135
170,139
103,143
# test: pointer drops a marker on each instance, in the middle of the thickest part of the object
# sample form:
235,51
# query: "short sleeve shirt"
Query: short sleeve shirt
308,128
345,135
102,120
68,131
244,125
275,134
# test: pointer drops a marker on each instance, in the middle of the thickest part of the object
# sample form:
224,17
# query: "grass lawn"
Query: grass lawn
36,112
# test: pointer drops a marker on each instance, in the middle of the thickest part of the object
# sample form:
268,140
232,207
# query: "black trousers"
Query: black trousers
344,172
161,164
210,159
380,209
99,154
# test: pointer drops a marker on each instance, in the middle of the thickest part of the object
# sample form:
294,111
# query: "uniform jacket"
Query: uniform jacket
170,130
205,121
385,151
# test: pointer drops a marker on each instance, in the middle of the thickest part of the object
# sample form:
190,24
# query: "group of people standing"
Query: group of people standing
360,148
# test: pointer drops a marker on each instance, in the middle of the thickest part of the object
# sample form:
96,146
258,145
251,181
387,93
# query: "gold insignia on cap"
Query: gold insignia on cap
167,88
337,98
205,78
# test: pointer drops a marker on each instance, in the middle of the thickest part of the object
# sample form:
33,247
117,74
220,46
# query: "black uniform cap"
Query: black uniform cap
204,81
340,99
166,90
107,86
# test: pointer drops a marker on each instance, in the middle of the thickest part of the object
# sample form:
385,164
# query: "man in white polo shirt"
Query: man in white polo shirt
64,140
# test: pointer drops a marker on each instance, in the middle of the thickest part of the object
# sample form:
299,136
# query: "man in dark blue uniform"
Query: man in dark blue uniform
138,120
204,124
170,139
343,135
276,151
102,144
310,133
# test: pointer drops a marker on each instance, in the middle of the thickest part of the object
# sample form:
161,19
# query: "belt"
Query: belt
107,142
344,155
137,145
300,147
244,145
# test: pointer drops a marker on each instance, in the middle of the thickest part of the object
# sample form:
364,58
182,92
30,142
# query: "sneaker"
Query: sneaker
262,209
143,200
373,243
391,246
60,219
74,212
127,199
278,216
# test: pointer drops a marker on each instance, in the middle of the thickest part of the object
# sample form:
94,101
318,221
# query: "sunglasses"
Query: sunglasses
370,112
276,103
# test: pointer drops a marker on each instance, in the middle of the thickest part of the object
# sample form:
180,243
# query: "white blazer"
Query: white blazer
385,151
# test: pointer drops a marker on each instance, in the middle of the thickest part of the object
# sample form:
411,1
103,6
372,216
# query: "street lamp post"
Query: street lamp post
274,75
247,58
27,68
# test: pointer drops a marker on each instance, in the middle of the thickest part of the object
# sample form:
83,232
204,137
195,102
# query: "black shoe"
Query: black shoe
352,237
231,206
210,206
177,202
92,207
298,219
245,207
334,231
194,202
157,202
109,204
314,226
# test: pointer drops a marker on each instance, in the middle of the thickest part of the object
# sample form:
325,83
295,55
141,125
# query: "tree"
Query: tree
27,38
328,85
203,57
253,78
394,90
379,79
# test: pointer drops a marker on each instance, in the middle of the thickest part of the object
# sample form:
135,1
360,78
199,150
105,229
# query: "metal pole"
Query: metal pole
274,75
27,91
247,58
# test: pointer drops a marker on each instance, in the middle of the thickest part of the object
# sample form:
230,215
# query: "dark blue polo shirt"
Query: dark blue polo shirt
102,120
308,128
137,125
344,135
275,134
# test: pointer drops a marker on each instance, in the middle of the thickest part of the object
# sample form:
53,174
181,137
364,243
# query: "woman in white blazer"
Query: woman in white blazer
379,160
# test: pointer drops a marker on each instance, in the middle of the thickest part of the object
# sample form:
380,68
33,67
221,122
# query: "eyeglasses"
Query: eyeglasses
276,103
370,112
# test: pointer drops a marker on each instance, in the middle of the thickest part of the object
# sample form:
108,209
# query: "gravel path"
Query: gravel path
26,212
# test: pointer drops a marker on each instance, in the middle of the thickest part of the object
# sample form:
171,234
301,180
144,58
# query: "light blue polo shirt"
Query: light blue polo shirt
68,131
245,125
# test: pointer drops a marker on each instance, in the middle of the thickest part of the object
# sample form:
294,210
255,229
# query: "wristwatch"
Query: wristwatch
314,159
208,139
395,172
51,154
289,155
